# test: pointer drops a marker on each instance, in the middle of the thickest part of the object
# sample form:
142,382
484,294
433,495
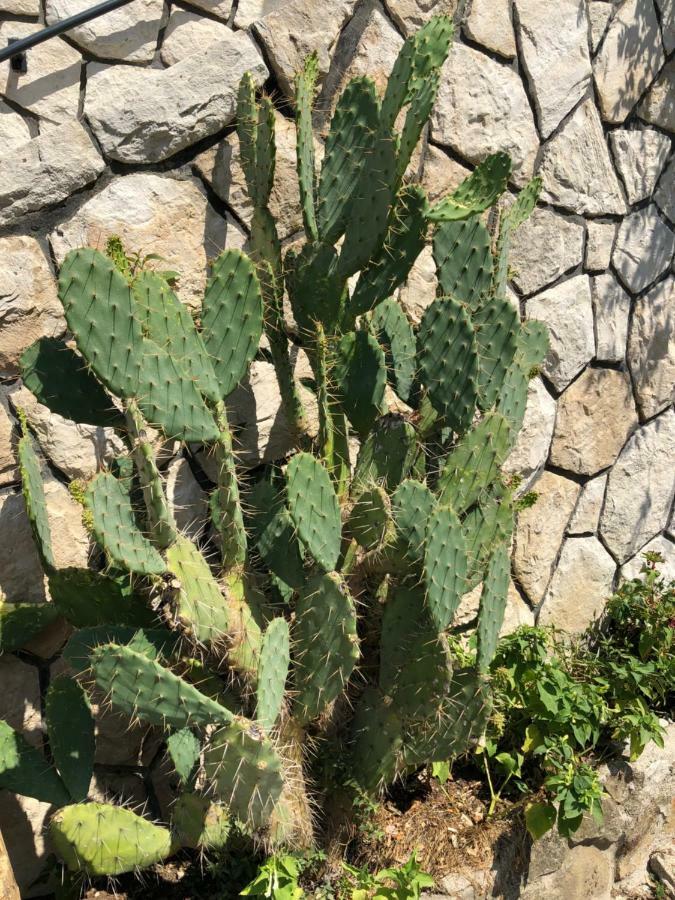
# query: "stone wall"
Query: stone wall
125,127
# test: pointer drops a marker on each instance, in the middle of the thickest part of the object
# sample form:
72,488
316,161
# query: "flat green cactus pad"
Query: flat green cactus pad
199,604
24,770
199,822
445,566
273,672
101,839
70,727
314,508
21,622
36,504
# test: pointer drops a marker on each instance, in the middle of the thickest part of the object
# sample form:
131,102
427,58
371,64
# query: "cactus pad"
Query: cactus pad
370,522
395,333
305,88
326,647
445,565
199,605
101,839
377,736
232,318
87,598
70,727
183,748
481,189
492,605
387,455
21,622
244,771
115,529
272,672
36,504
314,508
497,330
24,770
360,374
449,361
463,260
412,504
199,822
142,688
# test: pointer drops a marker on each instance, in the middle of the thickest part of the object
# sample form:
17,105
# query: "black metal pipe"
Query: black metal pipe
17,47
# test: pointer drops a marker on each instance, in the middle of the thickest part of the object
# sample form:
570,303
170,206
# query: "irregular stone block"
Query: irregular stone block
658,107
129,33
539,533
640,488
567,310
421,286
530,453
30,308
291,33
660,544
249,11
554,43
595,416
644,249
640,157
582,582
20,698
482,107
410,15
10,889
587,511
630,57
154,214
599,244
21,7
586,872
441,174
220,9
651,348
187,500
599,14
189,33
611,305
79,451
545,247
23,822
576,169
142,115
14,129
665,193
489,23
9,471
667,10
50,88
46,171
517,611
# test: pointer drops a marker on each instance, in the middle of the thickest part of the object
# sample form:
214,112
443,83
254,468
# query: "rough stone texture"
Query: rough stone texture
665,194
630,57
189,33
8,885
576,168
481,108
639,157
554,43
21,578
9,471
129,33
539,532
145,115
23,822
587,512
640,488
530,453
20,698
220,166
76,450
188,501
599,14
517,612
585,872
29,306
249,11
47,170
20,7
420,288
543,248
51,86
368,46
644,248
219,8
661,545
658,105
595,416
410,15
297,29
441,174
154,214
581,583
489,23
667,10
571,336
599,243
651,348
14,129
611,305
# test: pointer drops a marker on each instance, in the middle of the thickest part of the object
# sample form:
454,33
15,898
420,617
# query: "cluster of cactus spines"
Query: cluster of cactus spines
331,567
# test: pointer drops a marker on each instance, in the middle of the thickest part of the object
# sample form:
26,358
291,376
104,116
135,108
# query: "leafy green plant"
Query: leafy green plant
247,664
562,705
277,878
403,883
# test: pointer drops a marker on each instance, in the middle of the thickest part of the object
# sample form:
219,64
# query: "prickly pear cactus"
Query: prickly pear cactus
321,600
